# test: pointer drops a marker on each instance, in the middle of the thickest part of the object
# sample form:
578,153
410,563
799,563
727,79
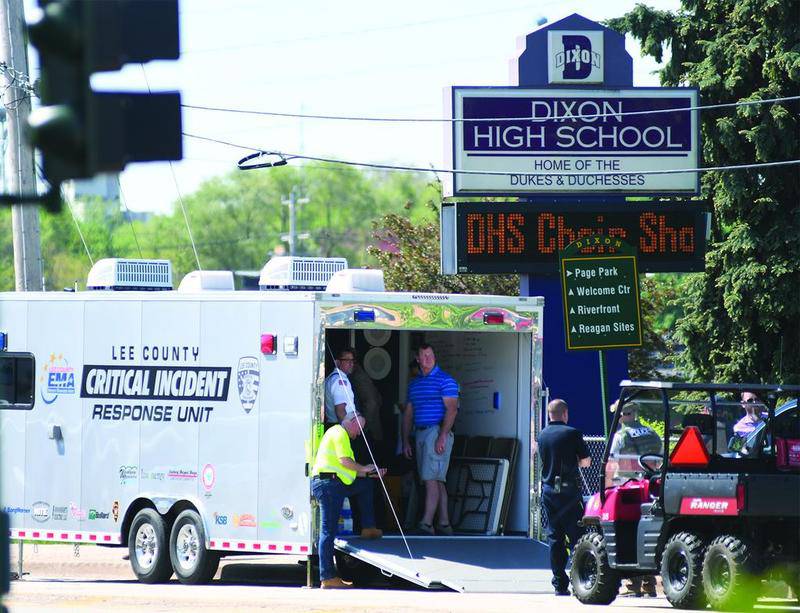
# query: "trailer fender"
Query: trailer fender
167,506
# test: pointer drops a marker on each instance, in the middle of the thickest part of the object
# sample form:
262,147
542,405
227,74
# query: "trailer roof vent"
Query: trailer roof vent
299,273
207,281
356,280
130,275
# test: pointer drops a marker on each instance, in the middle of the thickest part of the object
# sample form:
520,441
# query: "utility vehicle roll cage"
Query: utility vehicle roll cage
631,389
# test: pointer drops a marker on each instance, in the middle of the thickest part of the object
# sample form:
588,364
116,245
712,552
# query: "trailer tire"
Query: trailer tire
682,571
192,562
730,574
593,580
148,547
351,569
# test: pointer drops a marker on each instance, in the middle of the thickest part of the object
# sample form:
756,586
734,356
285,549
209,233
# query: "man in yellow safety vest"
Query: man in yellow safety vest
333,478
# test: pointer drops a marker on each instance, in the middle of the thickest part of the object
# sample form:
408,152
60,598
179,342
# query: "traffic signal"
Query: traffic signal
81,132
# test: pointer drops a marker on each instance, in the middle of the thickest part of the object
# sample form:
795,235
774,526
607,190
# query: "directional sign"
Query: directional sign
601,295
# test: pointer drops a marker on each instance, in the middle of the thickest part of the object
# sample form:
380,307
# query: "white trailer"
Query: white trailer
180,423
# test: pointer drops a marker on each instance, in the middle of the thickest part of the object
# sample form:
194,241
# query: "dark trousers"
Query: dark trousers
563,511
330,493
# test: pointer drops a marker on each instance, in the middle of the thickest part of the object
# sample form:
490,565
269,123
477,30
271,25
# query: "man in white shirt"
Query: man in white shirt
338,391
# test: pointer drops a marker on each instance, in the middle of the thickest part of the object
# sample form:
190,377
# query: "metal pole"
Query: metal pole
19,560
292,221
19,154
603,391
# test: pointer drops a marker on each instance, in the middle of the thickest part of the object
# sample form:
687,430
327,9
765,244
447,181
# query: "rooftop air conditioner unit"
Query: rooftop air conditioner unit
207,281
356,280
130,275
299,273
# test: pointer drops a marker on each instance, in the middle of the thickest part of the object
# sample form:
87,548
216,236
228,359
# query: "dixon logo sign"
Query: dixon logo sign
575,57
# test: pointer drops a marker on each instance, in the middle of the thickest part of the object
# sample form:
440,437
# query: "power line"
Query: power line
123,199
77,226
19,79
387,28
290,156
487,119
177,189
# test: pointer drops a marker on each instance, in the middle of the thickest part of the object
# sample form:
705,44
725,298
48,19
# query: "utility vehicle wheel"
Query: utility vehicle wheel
351,569
593,580
682,571
730,574
148,547
192,562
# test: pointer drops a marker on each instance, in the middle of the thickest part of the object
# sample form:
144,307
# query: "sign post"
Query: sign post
600,285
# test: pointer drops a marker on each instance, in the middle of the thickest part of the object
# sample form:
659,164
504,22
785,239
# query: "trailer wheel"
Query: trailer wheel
352,569
593,580
682,571
148,547
730,574
192,562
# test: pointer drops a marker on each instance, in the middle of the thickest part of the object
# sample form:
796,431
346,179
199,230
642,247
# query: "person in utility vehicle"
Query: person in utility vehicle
632,440
753,407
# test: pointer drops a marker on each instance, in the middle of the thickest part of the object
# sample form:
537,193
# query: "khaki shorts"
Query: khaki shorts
432,466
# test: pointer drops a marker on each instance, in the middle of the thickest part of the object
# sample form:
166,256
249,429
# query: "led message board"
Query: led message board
492,237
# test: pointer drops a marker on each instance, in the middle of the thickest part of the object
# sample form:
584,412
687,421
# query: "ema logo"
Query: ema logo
575,57
57,378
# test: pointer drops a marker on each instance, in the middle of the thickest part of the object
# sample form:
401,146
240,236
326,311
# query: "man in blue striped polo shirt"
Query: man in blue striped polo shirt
431,408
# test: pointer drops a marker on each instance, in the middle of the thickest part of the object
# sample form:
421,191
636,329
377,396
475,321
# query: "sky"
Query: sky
353,57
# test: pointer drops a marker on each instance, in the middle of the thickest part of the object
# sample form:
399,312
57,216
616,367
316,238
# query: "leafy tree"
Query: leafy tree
238,221
408,253
742,316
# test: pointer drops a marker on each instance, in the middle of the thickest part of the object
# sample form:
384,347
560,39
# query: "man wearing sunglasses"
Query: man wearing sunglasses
338,391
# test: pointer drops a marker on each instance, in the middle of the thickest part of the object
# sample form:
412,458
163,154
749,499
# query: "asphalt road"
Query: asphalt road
99,580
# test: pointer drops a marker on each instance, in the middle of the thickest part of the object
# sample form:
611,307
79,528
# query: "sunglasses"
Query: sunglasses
750,400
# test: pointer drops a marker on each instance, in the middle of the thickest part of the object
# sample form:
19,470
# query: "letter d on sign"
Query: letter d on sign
577,49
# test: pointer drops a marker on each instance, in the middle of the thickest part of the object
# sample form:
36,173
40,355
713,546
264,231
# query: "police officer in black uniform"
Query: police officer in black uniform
561,449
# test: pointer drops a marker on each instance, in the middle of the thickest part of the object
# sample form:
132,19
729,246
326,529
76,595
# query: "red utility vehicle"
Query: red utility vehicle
713,514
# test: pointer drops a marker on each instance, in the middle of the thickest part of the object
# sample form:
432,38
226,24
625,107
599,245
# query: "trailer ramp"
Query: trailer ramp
464,564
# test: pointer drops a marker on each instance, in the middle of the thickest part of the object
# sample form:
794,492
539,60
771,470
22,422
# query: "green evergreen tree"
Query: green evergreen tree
742,316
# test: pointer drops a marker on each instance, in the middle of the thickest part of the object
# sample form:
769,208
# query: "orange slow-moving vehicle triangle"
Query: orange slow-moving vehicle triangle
690,450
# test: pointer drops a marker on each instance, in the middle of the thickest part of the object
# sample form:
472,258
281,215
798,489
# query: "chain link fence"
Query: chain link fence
590,480
591,475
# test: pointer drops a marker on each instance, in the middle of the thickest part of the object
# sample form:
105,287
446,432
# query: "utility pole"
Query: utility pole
20,177
292,203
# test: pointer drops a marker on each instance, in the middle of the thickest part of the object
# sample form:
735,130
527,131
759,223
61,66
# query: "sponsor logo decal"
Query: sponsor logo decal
248,377
76,512
182,475
16,510
152,475
40,511
59,513
115,511
246,520
57,378
208,477
127,474
95,514
220,520
708,506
